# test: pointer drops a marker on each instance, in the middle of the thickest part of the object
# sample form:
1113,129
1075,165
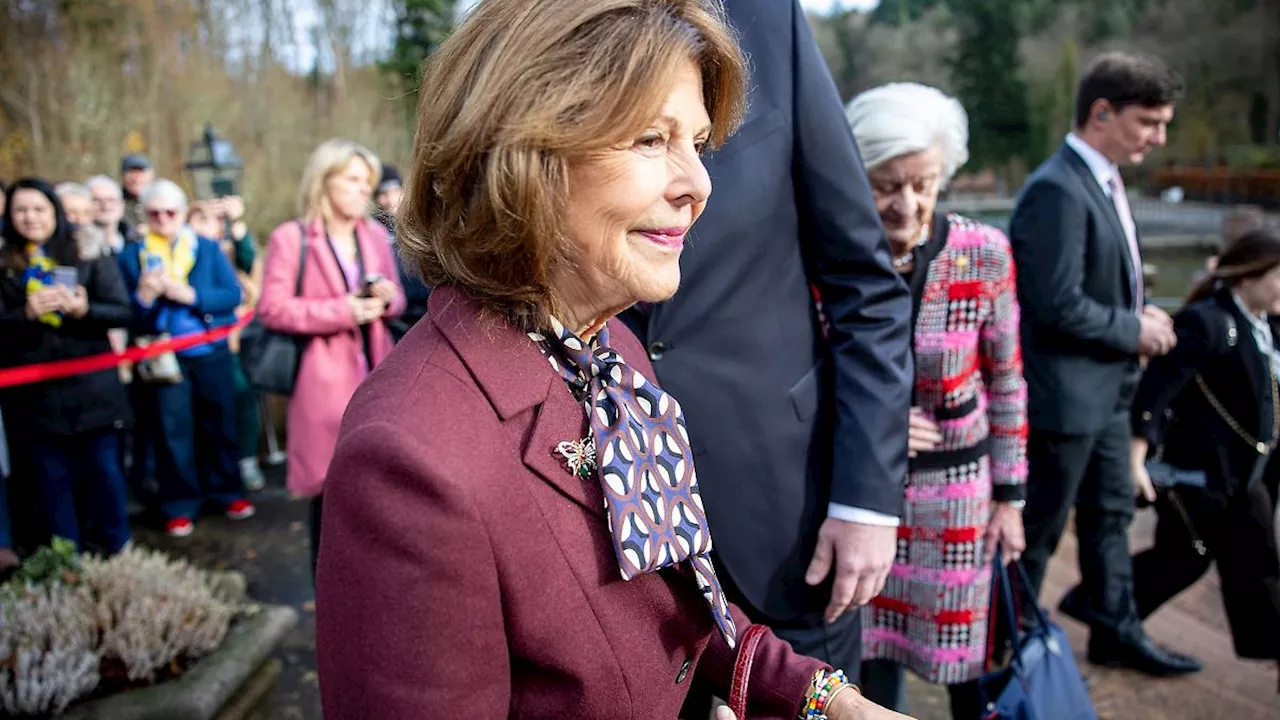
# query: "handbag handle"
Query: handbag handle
1005,583
302,258
747,645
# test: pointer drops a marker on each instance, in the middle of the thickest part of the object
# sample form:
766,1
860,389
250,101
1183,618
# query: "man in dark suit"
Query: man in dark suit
801,442
1085,328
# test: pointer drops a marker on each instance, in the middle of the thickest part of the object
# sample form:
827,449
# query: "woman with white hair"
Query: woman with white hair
966,480
182,284
330,280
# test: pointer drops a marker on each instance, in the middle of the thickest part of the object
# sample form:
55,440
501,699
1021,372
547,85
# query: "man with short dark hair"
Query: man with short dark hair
135,175
1085,328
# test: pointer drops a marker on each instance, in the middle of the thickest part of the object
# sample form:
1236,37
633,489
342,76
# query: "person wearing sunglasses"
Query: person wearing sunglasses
182,284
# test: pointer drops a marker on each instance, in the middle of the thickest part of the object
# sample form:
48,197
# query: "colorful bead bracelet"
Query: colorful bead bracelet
822,689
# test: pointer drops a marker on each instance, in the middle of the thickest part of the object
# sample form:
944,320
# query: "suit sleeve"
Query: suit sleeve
867,305
409,619
1167,375
1048,232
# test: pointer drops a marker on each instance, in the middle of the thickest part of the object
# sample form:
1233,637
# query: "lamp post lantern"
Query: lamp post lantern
214,166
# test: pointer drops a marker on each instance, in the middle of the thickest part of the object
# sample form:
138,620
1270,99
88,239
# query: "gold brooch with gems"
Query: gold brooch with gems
579,455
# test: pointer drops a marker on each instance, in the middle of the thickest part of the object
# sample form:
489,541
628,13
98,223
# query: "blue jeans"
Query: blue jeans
94,460
197,455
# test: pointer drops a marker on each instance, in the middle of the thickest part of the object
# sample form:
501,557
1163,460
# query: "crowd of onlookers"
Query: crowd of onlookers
94,267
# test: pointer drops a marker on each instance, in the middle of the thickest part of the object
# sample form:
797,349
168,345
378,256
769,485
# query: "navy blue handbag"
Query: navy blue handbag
1041,681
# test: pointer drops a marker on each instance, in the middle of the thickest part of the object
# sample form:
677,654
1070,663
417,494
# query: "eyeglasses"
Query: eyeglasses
158,214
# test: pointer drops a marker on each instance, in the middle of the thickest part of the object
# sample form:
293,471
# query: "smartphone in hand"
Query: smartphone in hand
366,288
66,277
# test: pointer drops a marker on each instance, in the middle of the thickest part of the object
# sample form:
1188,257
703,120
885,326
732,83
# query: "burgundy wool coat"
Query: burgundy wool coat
464,572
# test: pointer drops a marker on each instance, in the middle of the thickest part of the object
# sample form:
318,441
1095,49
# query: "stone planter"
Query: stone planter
225,685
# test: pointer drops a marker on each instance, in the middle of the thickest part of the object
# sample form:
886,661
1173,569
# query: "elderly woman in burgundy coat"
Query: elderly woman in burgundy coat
513,527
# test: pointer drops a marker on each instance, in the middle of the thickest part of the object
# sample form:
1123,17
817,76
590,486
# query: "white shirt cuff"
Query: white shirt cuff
861,516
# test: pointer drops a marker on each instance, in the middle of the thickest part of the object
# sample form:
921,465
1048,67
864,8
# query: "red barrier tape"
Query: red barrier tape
41,372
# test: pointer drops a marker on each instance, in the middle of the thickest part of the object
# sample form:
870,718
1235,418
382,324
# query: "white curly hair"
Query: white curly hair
901,118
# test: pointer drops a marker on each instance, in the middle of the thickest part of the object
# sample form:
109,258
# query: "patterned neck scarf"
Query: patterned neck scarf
38,276
645,465
176,256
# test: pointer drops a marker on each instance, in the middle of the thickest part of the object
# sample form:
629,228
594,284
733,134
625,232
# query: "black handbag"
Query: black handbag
270,358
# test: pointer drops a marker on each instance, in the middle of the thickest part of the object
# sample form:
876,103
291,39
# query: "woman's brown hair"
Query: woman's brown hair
1251,255
517,92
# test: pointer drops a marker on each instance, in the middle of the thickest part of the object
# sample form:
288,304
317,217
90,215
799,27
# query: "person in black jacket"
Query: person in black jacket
800,438
56,303
1206,422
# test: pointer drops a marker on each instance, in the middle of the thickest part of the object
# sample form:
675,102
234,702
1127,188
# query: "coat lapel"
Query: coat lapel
519,382
1104,205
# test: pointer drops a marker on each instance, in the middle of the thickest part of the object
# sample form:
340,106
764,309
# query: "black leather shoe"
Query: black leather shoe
1070,605
1141,655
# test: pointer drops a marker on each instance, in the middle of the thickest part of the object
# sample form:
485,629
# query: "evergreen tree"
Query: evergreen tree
985,74
421,25
900,12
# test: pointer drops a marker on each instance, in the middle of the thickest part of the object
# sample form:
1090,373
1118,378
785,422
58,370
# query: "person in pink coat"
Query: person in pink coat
348,294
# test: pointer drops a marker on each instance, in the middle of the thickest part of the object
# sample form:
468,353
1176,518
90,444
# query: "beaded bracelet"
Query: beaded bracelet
822,689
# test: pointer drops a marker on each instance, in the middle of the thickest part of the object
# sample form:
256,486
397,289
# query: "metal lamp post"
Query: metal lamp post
214,166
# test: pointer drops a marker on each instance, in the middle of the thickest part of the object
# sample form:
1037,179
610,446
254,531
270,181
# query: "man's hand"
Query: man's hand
862,556
1156,336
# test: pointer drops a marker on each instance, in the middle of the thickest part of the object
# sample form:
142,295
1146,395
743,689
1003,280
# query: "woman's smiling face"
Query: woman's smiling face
631,207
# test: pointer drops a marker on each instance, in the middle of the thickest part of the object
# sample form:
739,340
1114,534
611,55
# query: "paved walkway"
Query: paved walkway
271,550
1195,623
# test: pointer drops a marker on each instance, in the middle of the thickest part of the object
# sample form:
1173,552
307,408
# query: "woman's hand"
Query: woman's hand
249,289
1004,530
1142,485
384,290
76,302
151,286
44,301
851,705
179,292
923,434
366,310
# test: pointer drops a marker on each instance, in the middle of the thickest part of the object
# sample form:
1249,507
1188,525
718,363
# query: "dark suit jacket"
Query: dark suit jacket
783,422
1237,518
1079,330
464,572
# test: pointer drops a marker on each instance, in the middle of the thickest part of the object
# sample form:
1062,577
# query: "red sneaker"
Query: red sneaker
179,527
240,509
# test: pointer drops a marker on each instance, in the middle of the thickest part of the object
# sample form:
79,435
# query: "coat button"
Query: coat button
1146,415
657,350
684,672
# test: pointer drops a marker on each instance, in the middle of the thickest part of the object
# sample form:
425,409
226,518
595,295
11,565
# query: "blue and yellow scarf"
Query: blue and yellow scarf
37,277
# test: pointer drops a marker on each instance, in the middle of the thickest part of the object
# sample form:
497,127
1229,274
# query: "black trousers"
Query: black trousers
317,510
1240,539
1091,474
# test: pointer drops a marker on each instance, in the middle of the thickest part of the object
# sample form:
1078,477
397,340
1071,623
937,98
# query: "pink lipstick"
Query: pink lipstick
670,238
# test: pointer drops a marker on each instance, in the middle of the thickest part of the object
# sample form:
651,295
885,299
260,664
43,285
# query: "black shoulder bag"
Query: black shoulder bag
270,358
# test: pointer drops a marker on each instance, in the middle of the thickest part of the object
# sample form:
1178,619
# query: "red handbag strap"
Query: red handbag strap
747,644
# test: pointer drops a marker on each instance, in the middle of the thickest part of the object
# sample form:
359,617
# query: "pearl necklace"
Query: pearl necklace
904,260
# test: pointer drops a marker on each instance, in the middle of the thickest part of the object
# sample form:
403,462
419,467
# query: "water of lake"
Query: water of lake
1175,268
